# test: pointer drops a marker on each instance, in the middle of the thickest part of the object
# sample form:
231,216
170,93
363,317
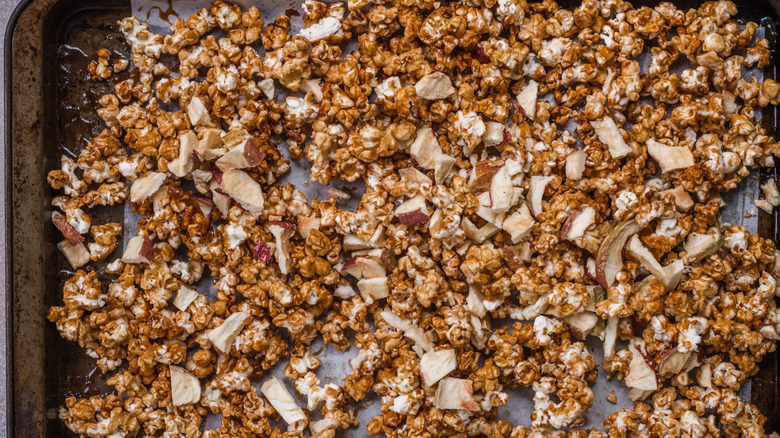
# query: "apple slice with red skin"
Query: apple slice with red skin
246,154
223,336
413,211
578,222
609,257
455,393
67,230
139,250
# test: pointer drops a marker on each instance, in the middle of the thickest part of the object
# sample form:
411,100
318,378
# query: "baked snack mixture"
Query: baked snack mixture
534,176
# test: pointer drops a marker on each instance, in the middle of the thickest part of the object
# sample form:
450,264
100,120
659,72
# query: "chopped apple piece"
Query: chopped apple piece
197,112
413,211
68,231
494,134
455,393
443,167
312,86
373,289
146,186
640,253
435,365
223,336
283,402
486,212
609,257
221,200
370,267
139,250
478,235
670,157
502,191
578,222
352,242
182,165
536,189
673,274
243,189
184,297
672,362
482,173
682,200
415,179
700,246
77,255
640,375
581,324
575,165
519,223
610,336
425,149
608,133
282,232
267,87
185,387
434,86
637,394
210,146
247,154
307,224
526,99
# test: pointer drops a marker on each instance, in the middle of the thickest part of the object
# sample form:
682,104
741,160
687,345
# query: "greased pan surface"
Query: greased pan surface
51,111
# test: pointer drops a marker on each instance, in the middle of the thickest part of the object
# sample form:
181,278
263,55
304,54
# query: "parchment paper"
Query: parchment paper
335,366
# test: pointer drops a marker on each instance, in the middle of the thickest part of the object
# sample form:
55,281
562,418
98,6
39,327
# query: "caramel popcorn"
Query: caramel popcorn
533,176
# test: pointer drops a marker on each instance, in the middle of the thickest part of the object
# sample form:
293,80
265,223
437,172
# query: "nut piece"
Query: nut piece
146,186
222,337
68,231
413,211
282,232
670,157
139,250
185,387
77,255
246,154
526,99
198,113
274,390
434,86
244,190
609,134
182,165
434,365
455,393
184,297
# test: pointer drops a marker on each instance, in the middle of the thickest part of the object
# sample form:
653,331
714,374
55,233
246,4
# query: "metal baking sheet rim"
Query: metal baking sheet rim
26,415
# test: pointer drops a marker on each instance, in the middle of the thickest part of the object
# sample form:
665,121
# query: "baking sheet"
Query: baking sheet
739,210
